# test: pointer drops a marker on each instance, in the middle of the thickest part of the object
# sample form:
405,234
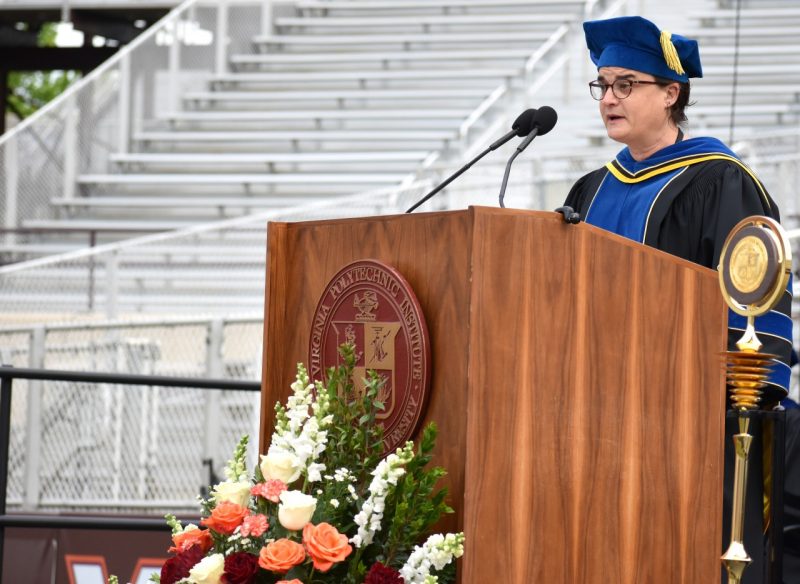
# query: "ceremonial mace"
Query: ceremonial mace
754,270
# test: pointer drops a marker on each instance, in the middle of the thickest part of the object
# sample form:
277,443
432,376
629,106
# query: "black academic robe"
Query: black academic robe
687,208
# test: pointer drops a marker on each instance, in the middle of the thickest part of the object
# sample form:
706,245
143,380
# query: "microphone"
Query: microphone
570,216
522,126
543,121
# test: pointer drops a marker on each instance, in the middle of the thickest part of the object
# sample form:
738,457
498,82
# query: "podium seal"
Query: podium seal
370,305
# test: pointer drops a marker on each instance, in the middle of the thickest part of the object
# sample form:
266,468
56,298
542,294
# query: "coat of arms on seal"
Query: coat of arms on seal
370,305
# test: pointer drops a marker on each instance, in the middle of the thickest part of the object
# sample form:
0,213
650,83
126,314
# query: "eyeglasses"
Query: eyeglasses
621,88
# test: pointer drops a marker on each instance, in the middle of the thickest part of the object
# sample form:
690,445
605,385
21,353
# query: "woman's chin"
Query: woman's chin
615,132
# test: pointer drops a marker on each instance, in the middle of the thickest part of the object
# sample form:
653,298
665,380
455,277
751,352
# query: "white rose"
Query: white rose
238,493
280,465
296,509
208,570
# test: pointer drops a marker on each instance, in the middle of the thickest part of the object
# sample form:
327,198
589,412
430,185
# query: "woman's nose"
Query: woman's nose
609,97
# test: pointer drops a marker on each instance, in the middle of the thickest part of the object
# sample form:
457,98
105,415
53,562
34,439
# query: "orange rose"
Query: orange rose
190,537
226,517
325,545
280,556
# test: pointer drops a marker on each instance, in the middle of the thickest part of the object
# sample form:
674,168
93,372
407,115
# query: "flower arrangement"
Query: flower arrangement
322,506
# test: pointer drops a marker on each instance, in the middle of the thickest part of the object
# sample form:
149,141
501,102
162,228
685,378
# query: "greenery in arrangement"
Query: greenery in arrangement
322,506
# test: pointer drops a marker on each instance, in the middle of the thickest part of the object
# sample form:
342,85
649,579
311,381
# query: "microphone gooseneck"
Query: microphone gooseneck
543,121
521,127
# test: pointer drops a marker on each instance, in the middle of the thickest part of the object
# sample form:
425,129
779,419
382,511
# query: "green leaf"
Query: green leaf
28,91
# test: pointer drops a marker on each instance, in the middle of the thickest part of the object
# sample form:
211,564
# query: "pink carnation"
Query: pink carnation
270,490
254,525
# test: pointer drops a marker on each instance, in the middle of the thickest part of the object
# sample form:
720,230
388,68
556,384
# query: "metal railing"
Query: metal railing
7,377
51,438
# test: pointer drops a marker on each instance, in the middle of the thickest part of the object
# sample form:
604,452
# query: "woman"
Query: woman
681,195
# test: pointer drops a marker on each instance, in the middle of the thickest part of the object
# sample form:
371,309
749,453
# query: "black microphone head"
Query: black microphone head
545,118
524,122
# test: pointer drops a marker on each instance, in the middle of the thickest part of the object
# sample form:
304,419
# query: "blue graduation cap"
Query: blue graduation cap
636,43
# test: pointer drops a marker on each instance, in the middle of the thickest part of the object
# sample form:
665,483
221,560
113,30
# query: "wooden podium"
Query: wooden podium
577,386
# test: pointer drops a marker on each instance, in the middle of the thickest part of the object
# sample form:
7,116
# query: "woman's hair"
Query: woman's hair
677,110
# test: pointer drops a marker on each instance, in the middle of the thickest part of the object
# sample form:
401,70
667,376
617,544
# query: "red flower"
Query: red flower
178,566
380,574
240,568
270,490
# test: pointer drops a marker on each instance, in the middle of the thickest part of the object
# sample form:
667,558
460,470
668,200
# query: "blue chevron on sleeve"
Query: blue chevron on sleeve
773,324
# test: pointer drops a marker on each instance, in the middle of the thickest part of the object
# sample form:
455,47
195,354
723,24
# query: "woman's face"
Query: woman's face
641,118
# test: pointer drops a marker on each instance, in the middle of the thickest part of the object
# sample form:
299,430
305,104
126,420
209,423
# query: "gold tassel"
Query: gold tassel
670,54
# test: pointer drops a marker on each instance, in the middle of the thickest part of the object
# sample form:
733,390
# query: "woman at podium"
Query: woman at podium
679,194
676,193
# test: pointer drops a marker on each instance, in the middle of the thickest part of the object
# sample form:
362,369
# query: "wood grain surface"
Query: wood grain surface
595,423
576,384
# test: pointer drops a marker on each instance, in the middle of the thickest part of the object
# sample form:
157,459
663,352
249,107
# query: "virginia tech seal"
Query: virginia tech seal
369,304
755,265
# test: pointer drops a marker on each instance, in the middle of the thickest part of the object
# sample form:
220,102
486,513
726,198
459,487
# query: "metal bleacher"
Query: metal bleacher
304,104
345,119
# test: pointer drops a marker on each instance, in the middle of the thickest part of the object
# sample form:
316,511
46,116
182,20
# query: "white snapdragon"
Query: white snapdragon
236,469
236,489
315,472
437,551
300,434
384,477
343,475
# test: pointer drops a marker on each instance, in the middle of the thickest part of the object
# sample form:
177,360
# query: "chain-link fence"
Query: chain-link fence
87,446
